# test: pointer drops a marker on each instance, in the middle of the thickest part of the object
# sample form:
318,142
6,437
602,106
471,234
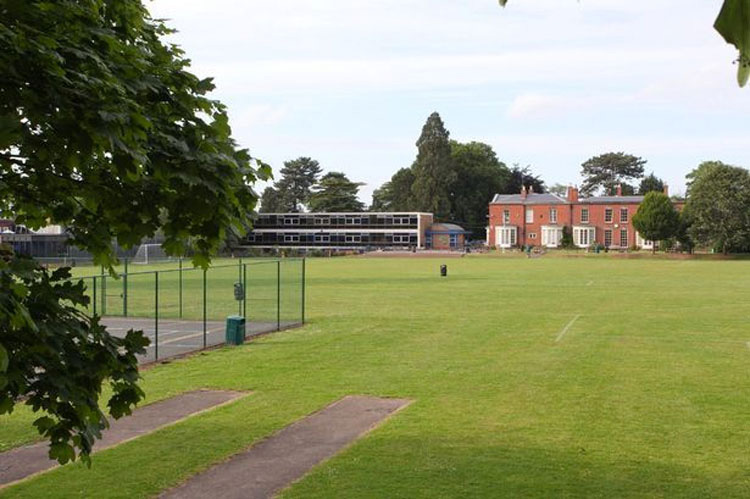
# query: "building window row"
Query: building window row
271,238
309,220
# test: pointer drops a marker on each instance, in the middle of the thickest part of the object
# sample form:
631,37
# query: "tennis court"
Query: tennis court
182,310
173,338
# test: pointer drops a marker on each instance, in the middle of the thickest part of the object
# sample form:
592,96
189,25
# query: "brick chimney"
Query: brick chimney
573,194
666,190
619,190
523,192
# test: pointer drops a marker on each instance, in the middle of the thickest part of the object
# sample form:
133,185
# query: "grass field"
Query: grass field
647,392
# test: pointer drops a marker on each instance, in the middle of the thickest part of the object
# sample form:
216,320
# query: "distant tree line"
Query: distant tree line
455,181
301,187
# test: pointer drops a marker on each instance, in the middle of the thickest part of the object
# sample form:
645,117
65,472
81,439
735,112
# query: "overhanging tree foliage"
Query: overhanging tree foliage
102,130
656,218
733,24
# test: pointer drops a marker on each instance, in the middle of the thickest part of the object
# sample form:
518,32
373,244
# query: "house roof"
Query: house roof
444,227
532,198
613,200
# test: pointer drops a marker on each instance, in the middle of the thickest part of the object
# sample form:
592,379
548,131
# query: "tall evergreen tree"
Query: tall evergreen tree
607,171
295,185
433,171
336,193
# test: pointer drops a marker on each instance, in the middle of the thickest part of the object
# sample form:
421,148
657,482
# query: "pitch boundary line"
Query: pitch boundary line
567,328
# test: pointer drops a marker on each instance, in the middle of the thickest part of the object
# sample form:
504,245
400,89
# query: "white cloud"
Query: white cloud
351,82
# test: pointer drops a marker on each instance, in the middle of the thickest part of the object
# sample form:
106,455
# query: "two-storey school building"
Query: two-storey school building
340,231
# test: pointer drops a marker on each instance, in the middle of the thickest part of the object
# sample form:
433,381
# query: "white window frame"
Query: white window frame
506,217
353,238
322,238
291,221
551,237
532,235
626,238
624,211
322,220
588,215
552,216
529,215
288,238
582,241
611,237
402,238
611,218
506,236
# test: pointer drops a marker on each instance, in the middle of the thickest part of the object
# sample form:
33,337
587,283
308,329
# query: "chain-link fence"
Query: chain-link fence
185,309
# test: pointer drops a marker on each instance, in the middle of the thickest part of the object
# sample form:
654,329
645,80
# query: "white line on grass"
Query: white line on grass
567,327
748,344
589,283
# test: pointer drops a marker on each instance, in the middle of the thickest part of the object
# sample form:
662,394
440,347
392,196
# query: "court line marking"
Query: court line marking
187,337
567,328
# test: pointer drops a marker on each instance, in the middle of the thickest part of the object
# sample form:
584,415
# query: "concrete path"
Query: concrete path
22,462
285,457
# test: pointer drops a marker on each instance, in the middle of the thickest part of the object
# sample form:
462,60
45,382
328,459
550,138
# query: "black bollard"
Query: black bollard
443,271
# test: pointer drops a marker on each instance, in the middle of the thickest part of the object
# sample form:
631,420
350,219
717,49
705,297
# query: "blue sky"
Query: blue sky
547,83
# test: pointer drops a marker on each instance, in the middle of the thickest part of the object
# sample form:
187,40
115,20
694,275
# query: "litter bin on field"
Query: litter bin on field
235,333
443,271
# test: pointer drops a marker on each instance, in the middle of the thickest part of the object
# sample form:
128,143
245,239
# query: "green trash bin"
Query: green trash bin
235,333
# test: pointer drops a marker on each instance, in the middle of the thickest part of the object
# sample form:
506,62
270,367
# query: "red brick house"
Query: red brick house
535,219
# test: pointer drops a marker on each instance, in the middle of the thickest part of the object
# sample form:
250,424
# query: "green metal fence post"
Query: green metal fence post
303,289
125,290
180,287
244,287
239,280
93,298
204,308
156,315
104,293
278,295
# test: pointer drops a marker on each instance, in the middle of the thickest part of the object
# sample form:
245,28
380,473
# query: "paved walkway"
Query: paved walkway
285,457
22,462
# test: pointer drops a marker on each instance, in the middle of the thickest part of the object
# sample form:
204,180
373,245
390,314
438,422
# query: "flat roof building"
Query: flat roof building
340,231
